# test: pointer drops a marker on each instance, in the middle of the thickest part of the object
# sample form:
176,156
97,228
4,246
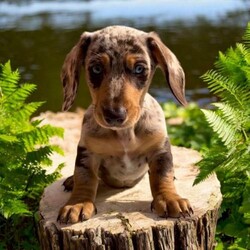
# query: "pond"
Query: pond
36,35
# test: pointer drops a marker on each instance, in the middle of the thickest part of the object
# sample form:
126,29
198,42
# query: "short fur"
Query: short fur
123,132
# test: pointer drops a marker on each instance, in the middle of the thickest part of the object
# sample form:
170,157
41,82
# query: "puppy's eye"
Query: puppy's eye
97,69
96,74
138,69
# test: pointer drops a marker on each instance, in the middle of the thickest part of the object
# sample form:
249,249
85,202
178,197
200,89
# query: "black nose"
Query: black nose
115,116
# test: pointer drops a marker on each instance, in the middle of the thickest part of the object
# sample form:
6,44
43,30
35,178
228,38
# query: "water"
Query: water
36,36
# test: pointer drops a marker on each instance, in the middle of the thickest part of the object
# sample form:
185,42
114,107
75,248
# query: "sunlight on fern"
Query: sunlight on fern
25,152
230,157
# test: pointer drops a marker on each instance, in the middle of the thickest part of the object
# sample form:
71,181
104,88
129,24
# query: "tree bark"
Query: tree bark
124,219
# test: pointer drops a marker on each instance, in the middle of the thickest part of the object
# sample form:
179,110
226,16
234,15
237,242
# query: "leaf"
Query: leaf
246,36
39,136
224,130
14,207
25,150
8,138
8,79
210,162
231,115
230,81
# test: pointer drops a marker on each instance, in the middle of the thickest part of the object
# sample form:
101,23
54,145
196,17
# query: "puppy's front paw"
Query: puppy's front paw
171,206
77,212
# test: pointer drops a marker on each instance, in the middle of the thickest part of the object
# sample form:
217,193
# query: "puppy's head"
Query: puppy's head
119,63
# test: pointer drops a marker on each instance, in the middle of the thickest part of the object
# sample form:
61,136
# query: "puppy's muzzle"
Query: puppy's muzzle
114,116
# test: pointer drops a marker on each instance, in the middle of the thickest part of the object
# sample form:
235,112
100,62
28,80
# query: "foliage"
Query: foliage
187,126
229,158
24,152
226,151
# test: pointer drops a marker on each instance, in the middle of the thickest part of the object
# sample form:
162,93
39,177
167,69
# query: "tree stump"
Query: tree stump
124,219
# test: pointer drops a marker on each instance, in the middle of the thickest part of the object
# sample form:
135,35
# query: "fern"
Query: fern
224,130
230,114
8,79
25,152
230,156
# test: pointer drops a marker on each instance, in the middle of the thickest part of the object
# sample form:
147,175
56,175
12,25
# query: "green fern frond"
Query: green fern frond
225,88
26,110
224,130
20,95
30,108
39,136
42,154
246,36
25,151
21,112
8,138
231,63
39,155
8,78
247,73
14,207
210,162
57,149
237,55
230,81
243,53
36,122
232,116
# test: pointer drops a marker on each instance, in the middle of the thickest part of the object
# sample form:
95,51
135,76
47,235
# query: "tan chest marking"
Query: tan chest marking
123,171
116,146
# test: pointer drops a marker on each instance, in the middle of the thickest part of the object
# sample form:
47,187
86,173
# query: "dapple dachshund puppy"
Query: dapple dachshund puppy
123,131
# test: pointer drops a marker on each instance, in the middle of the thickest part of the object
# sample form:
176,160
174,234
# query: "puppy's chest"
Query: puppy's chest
124,164
125,169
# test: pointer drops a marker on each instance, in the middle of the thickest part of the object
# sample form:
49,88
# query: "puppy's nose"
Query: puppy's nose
115,116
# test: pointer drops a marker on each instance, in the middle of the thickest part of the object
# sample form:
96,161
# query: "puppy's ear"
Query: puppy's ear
71,69
169,64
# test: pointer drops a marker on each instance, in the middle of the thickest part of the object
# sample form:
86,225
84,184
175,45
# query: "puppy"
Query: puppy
123,131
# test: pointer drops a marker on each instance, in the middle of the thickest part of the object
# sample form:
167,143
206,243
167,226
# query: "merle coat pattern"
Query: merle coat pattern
123,131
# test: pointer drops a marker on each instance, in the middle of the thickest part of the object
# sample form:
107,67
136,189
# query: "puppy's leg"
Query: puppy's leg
81,206
166,201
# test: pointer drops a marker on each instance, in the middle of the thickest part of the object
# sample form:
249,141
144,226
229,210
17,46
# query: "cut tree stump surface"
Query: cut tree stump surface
124,219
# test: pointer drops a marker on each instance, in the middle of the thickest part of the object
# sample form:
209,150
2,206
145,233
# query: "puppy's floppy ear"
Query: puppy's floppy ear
71,69
169,64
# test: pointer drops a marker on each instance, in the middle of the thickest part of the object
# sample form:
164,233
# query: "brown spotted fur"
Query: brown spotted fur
120,152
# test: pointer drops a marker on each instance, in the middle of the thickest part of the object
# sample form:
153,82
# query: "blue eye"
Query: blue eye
97,69
138,69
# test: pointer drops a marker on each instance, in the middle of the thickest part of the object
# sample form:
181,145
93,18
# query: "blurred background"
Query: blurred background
36,35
